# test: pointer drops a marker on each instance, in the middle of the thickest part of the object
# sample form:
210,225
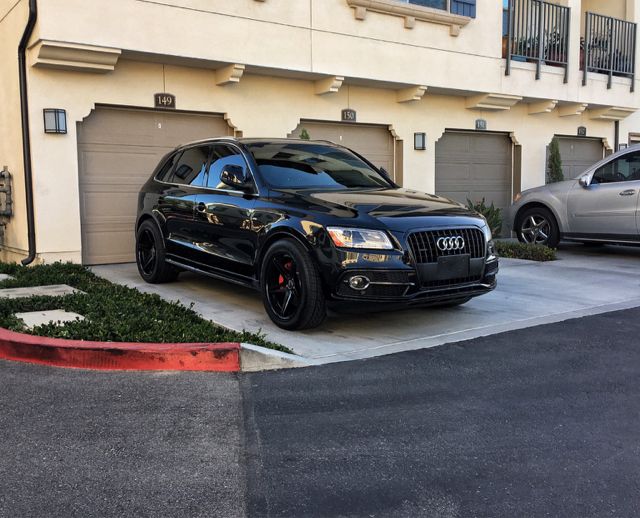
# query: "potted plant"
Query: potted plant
520,49
554,169
554,53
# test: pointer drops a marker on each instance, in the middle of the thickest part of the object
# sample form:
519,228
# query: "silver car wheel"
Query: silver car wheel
535,230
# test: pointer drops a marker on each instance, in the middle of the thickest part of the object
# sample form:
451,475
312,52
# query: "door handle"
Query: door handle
628,192
201,207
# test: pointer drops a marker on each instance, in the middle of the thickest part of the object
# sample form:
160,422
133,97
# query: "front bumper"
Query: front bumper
415,272
405,285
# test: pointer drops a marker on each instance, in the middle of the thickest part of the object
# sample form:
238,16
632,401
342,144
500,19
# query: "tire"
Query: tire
538,226
291,287
151,253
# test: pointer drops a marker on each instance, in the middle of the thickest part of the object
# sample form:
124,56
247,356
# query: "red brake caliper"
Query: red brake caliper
287,266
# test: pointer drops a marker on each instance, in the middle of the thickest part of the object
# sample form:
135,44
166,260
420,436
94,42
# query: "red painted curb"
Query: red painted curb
81,354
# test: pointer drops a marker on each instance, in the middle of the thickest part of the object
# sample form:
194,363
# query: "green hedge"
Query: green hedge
515,250
112,312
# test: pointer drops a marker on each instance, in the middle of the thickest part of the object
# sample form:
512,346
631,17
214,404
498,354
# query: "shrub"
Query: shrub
113,313
492,214
554,166
515,250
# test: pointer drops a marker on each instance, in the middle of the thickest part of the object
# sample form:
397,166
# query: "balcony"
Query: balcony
608,47
538,32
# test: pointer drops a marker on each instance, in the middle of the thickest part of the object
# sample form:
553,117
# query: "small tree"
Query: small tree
554,168
304,134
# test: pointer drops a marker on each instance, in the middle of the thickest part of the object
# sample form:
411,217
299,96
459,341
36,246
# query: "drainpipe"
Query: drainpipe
26,139
616,139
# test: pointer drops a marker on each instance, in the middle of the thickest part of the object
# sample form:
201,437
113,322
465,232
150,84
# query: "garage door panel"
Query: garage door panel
112,164
107,204
473,166
99,242
578,154
118,149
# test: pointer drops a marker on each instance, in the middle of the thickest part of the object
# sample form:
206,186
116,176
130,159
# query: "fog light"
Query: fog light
359,282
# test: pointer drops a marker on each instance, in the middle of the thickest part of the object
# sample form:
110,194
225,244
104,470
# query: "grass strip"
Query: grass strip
113,313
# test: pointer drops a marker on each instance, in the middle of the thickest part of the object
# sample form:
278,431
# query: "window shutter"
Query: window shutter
464,7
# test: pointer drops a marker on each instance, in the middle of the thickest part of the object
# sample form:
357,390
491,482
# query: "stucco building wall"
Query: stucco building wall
286,48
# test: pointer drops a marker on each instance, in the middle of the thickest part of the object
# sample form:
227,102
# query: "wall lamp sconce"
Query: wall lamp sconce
55,120
420,141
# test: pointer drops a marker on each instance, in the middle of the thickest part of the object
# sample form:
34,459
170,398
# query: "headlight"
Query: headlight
359,238
492,254
487,233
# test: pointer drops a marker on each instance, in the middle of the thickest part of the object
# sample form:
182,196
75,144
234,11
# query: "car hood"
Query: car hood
556,187
396,208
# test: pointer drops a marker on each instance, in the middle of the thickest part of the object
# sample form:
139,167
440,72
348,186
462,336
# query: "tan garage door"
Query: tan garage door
373,142
578,154
475,166
117,152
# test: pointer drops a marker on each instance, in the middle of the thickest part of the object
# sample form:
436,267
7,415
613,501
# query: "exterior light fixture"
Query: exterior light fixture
420,141
55,120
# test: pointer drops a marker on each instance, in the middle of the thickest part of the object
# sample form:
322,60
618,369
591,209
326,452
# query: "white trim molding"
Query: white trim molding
74,56
413,93
495,102
410,13
328,85
610,113
542,107
230,74
571,109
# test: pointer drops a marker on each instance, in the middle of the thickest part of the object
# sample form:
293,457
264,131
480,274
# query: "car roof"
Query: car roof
257,141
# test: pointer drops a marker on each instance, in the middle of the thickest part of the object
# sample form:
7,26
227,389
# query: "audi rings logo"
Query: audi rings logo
448,244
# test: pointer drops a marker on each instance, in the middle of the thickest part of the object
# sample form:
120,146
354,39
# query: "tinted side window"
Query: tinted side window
167,168
191,167
222,156
624,169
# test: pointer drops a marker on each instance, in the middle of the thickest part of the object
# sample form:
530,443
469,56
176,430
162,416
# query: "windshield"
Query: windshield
296,165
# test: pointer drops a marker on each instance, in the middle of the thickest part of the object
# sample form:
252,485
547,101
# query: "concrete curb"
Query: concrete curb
80,354
254,358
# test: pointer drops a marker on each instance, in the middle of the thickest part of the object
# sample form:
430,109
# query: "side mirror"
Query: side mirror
233,176
584,181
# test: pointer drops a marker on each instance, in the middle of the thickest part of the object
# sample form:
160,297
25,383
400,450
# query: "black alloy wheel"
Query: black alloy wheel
291,288
150,255
283,286
537,226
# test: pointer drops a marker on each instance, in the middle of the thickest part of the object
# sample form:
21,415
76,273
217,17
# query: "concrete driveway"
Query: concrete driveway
584,281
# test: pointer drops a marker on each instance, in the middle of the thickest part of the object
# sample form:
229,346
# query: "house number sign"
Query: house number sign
349,115
164,100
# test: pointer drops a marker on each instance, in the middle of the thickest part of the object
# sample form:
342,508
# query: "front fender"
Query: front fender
556,202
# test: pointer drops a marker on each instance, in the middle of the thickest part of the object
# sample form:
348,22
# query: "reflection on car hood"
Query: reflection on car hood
396,208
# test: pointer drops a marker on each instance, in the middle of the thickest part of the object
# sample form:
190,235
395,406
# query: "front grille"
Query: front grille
452,282
425,250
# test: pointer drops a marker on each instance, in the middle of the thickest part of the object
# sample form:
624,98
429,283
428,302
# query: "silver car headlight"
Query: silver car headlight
359,238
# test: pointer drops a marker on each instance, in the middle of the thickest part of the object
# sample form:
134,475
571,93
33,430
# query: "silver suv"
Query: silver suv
601,205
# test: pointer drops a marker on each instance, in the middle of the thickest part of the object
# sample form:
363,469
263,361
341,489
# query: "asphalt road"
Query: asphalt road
102,444
538,422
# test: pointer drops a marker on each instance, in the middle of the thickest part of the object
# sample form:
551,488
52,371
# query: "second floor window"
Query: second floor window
462,7
436,4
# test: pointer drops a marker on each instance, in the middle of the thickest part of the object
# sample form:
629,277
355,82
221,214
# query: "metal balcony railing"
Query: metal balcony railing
609,47
538,32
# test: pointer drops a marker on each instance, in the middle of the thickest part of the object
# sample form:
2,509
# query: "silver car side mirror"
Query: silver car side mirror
584,180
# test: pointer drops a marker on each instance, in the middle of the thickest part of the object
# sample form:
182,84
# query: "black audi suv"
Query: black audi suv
308,223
